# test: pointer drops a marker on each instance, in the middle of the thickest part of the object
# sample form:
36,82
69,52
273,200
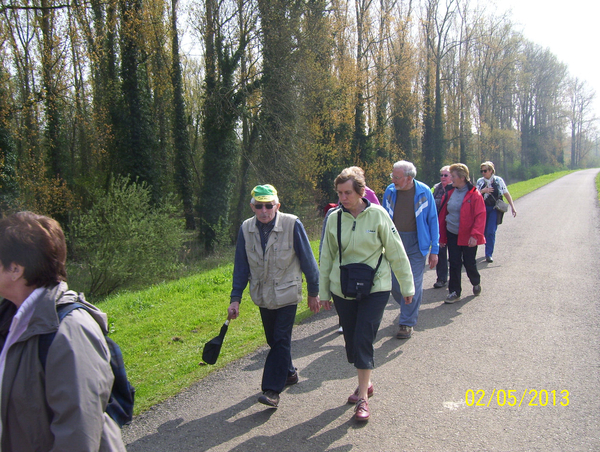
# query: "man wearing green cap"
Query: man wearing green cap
272,252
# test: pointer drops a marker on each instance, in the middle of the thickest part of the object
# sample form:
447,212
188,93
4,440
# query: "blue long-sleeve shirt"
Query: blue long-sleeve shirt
308,264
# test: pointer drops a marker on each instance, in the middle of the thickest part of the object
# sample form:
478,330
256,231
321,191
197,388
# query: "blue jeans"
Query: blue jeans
491,224
410,312
278,325
360,321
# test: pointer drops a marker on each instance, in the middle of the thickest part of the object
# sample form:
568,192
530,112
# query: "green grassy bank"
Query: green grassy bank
163,329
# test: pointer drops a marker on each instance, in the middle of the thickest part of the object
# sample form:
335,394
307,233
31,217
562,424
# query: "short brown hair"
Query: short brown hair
37,243
356,175
461,170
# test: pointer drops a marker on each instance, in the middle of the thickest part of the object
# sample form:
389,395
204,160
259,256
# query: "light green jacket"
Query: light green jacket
363,240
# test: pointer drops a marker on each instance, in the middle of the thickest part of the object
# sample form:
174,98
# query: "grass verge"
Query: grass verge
163,329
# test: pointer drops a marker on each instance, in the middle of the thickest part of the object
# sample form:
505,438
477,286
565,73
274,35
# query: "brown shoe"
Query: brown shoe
292,379
354,396
269,398
361,411
404,332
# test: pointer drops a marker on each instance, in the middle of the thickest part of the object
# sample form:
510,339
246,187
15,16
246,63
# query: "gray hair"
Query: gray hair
407,168
445,168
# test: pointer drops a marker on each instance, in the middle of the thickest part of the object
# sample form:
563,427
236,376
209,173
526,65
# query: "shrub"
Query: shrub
123,240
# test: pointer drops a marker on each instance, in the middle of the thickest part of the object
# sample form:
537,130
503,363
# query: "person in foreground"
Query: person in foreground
462,222
59,405
492,188
364,231
369,194
411,207
272,252
439,190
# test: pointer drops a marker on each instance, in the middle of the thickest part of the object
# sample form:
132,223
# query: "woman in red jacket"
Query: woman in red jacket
462,226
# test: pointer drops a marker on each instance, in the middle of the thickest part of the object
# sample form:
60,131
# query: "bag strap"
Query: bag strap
45,340
339,238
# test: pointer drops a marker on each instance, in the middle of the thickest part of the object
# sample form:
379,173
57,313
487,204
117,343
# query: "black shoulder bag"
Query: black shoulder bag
356,279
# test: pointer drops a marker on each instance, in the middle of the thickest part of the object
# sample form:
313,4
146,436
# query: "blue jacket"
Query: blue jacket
428,229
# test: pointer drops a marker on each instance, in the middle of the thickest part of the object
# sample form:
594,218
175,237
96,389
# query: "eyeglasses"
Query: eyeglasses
444,175
266,206
484,171
396,177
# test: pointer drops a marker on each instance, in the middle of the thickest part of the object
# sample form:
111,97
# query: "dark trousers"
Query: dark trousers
361,320
459,256
278,325
441,268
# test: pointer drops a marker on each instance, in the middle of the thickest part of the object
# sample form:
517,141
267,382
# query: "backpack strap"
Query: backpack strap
45,340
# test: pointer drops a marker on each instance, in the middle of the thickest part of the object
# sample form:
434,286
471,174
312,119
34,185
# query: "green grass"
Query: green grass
162,330
527,186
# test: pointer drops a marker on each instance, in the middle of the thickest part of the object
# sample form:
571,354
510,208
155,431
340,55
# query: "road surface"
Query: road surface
532,335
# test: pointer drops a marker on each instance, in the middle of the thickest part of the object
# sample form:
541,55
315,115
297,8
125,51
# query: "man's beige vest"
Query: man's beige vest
276,276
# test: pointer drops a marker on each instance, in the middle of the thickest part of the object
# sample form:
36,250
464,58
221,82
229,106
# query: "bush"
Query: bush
125,241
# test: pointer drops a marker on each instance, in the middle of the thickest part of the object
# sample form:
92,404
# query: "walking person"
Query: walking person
462,223
363,230
58,402
272,252
492,188
411,207
439,190
330,208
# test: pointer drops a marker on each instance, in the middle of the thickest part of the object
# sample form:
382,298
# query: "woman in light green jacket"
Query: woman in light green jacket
367,233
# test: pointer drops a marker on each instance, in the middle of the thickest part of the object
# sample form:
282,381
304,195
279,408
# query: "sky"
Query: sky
570,29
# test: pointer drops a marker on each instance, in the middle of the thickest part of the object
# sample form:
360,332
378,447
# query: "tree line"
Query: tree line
208,98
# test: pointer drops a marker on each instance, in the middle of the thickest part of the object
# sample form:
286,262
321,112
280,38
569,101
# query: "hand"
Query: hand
326,304
472,242
233,310
433,260
408,300
443,245
514,211
314,304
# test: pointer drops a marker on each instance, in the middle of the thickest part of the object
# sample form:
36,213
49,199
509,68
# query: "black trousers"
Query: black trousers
278,325
361,320
457,257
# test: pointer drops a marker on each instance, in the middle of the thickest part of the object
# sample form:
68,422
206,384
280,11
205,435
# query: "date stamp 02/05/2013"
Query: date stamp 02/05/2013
512,397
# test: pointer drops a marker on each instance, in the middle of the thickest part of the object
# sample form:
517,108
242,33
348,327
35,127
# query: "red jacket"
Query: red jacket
472,217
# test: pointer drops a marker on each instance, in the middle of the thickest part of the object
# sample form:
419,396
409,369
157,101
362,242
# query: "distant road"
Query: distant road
534,330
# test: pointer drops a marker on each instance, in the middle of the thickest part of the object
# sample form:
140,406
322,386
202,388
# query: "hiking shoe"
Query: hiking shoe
353,398
439,284
489,259
452,298
404,332
292,379
361,411
477,289
269,398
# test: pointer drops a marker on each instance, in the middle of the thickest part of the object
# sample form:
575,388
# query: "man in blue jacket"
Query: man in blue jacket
413,211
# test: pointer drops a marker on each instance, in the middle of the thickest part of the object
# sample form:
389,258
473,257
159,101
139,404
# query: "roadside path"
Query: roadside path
535,327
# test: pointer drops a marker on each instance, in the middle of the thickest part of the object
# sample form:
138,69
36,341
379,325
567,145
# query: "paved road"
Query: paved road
534,328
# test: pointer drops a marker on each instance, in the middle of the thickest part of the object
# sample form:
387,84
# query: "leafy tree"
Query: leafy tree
183,176
125,239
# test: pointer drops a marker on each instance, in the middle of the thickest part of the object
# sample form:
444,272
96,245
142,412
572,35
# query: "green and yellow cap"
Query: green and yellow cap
264,193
